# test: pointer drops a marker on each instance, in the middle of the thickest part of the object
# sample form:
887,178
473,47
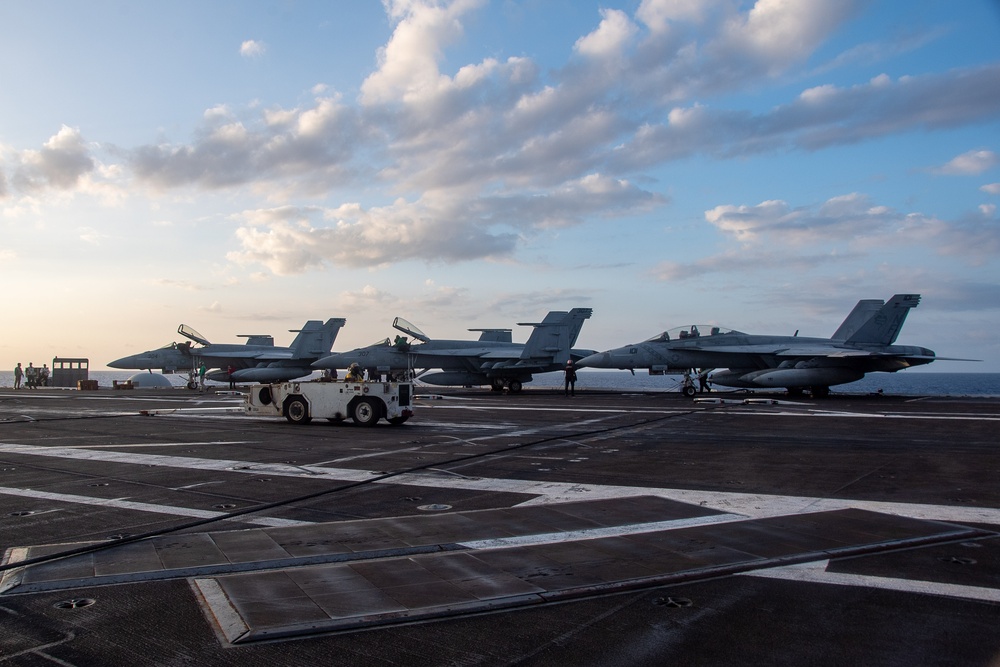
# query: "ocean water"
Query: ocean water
903,383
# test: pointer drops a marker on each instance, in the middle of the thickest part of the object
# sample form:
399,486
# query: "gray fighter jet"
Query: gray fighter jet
258,360
864,343
492,360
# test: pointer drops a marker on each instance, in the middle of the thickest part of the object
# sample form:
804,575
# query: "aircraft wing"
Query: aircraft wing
823,352
781,349
261,355
473,353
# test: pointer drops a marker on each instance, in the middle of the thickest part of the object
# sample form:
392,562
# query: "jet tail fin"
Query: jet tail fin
554,336
884,326
315,339
863,311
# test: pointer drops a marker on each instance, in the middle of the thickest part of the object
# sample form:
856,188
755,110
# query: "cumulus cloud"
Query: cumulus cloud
991,188
408,65
773,235
777,32
658,15
970,163
61,162
437,227
313,145
820,117
354,237
469,163
611,37
252,48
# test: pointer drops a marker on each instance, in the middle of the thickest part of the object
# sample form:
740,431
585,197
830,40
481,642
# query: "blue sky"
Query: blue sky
242,167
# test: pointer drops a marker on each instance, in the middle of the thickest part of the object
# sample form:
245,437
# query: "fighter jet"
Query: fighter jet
492,360
864,343
258,360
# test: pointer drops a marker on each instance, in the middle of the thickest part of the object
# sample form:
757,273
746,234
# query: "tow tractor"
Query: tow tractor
363,402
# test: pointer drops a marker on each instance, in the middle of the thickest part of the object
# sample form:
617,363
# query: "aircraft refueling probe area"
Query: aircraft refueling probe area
496,528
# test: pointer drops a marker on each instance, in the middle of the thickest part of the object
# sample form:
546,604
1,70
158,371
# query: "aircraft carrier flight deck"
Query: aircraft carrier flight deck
167,527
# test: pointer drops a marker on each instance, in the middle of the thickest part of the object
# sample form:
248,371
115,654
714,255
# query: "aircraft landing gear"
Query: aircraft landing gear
819,392
499,384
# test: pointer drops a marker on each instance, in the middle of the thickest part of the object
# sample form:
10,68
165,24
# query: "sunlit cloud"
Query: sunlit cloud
970,163
252,48
774,235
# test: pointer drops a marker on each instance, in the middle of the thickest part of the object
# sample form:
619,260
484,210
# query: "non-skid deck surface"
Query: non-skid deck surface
280,582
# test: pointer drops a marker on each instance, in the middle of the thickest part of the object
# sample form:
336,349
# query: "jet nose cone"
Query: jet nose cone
124,363
332,361
596,360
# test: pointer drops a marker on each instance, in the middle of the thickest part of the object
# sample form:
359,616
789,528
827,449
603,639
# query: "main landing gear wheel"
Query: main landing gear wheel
689,391
366,412
819,392
496,384
297,412
515,386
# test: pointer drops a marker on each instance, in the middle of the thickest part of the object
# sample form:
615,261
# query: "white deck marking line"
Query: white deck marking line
554,408
815,572
752,505
596,533
165,444
881,415
145,507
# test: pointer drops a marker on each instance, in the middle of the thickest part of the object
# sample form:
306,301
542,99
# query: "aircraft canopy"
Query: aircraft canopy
188,332
690,331
409,328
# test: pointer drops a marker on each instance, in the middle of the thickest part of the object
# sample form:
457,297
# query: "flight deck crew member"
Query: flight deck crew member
570,388
18,374
232,381
354,373
201,376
